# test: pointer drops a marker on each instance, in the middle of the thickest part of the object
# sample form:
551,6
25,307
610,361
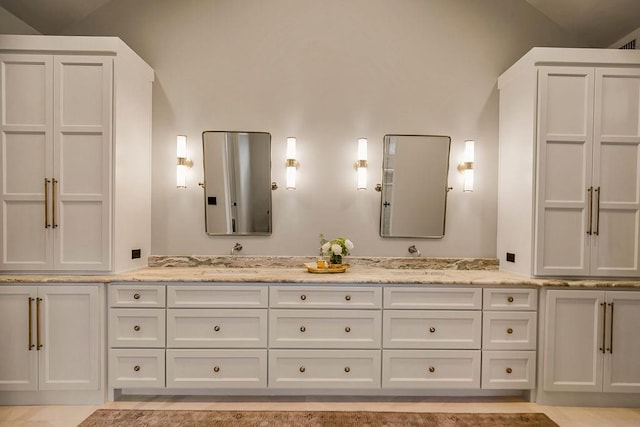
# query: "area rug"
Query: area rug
180,418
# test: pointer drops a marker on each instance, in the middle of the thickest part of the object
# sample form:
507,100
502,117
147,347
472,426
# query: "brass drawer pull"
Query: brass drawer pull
303,297
30,325
38,341
136,368
53,203
136,296
46,203
509,370
509,331
347,369
432,329
348,297
302,369
136,328
216,328
510,299
347,329
303,329
432,369
216,369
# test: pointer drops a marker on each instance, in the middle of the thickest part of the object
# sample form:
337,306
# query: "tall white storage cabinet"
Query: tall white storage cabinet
75,123
569,174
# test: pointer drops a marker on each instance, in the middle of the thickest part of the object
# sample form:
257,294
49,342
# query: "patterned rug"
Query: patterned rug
154,418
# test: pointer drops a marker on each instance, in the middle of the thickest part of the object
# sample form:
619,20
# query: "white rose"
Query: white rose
349,244
336,249
325,248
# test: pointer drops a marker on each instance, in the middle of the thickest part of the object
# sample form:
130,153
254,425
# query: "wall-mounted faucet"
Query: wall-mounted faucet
413,250
236,248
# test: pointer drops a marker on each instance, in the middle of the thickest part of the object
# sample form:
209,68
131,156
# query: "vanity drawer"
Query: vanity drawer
325,297
432,329
213,328
510,299
136,368
503,330
131,327
326,369
508,370
325,328
137,295
214,296
433,298
216,368
443,369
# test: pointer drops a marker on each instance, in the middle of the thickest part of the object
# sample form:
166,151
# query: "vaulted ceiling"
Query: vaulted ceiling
598,23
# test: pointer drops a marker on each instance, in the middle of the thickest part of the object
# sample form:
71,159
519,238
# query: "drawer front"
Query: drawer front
433,298
204,296
325,297
432,329
214,328
136,368
138,296
325,328
216,368
299,369
510,299
503,330
509,369
444,369
131,327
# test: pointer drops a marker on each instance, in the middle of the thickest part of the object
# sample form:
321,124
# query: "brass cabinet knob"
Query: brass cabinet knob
216,328
348,297
136,368
432,369
216,369
136,296
510,299
303,297
302,369
432,329
136,328
347,369
303,329
347,329
509,331
509,370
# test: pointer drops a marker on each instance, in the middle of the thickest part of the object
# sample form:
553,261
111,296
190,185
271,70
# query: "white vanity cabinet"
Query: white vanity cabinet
569,172
74,111
51,340
591,341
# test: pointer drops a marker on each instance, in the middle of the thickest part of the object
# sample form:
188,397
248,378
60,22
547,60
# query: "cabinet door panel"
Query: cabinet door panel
70,356
573,341
18,361
622,360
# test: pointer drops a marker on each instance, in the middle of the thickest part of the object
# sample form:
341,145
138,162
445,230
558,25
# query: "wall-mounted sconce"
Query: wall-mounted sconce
182,163
361,164
466,167
292,163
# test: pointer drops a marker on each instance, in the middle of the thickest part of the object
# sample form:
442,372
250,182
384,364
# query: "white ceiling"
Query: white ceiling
598,23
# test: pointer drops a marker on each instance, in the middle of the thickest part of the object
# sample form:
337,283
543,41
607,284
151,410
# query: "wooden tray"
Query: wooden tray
313,268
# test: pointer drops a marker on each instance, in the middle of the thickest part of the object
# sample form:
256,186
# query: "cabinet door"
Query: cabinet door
70,329
565,145
82,162
622,360
574,341
18,354
616,173
26,115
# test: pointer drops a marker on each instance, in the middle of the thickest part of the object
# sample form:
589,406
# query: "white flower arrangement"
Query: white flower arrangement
336,248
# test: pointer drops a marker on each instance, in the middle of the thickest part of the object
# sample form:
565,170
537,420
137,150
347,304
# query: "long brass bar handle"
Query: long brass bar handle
611,330
30,324
46,203
590,191
604,325
38,341
597,212
53,204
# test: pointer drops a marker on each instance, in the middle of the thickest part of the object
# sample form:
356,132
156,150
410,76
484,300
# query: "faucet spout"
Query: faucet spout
236,248
413,250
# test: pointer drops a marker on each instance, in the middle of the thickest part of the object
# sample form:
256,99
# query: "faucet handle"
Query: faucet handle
413,250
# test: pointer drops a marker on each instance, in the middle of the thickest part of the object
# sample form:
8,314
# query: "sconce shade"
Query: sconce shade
292,164
361,164
469,159
182,162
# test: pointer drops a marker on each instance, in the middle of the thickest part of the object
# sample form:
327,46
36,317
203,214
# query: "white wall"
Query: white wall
326,72
11,24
